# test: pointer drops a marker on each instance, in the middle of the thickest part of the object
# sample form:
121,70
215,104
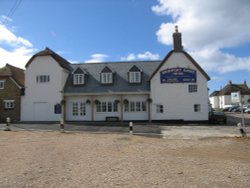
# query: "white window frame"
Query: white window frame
192,88
106,107
135,106
78,79
135,77
159,108
42,78
9,104
2,84
78,109
106,77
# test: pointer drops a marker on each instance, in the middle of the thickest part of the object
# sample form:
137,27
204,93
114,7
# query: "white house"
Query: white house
172,89
222,98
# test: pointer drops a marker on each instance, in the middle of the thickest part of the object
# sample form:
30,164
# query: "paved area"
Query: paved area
153,130
181,131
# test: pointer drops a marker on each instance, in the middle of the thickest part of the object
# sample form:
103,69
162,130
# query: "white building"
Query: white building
172,89
222,98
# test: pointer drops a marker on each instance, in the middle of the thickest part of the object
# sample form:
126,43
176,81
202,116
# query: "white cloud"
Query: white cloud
19,49
207,27
97,58
141,56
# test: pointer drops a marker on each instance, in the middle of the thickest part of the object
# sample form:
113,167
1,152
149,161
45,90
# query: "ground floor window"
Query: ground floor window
135,106
197,107
159,108
78,109
9,104
106,106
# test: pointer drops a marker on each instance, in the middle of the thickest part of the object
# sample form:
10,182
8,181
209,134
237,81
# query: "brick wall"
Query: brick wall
10,92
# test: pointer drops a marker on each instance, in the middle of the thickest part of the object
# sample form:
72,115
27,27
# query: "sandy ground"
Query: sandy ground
53,159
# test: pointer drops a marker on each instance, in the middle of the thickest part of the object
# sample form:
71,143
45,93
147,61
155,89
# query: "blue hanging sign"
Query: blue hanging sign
178,75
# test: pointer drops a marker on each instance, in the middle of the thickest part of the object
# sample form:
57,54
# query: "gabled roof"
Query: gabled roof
230,87
120,84
16,73
188,56
135,69
106,69
48,52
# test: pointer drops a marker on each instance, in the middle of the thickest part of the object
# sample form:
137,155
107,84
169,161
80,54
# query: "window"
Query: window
134,77
1,84
78,109
159,108
192,88
78,79
75,109
9,104
107,107
106,78
138,106
42,78
197,107
82,109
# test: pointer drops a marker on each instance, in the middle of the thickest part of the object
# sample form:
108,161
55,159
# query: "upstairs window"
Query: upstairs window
197,107
78,79
42,78
135,75
106,76
192,88
1,84
79,76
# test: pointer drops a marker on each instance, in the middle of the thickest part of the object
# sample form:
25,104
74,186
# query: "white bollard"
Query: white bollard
62,125
130,127
8,124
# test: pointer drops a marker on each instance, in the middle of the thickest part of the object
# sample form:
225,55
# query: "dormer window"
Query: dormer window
135,75
106,76
78,79
79,76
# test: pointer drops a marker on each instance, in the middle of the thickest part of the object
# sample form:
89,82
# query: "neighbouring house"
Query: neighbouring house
222,98
11,90
172,89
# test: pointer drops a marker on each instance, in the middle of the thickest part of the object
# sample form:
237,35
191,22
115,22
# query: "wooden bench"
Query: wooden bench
112,118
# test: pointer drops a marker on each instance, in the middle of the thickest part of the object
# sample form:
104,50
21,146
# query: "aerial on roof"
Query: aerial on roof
16,73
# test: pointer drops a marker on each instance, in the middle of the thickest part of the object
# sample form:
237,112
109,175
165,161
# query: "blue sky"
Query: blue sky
215,33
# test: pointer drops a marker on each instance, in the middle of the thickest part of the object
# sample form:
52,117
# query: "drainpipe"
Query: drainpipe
92,108
121,108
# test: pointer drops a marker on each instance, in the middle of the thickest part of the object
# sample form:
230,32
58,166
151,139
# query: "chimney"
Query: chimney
230,82
245,82
177,40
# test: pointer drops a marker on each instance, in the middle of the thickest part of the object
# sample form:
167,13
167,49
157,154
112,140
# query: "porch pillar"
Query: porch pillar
92,108
121,107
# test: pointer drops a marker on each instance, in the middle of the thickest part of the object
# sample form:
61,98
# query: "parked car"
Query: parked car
247,110
217,117
233,108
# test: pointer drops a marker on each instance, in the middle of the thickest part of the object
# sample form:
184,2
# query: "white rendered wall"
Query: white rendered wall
214,101
177,101
44,94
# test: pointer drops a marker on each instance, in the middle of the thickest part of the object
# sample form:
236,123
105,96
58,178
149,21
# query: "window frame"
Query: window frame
134,77
9,104
40,79
197,107
2,84
135,106
106,77
159,109
192,88
78,79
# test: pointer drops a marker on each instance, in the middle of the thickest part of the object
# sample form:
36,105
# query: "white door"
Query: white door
40,111
78,111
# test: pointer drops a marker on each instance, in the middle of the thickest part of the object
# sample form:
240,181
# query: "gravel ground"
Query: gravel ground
53,159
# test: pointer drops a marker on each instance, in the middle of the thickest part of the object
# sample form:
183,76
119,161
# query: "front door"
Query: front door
78,111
